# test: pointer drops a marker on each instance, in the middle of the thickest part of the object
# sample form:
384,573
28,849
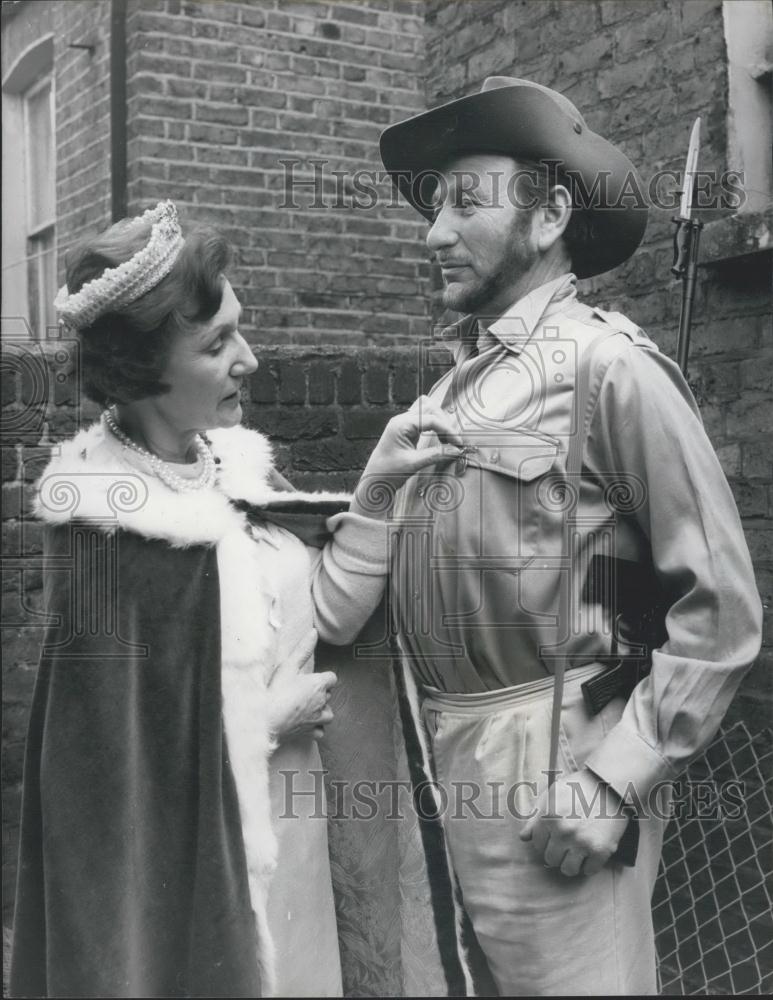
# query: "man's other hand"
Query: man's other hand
577,825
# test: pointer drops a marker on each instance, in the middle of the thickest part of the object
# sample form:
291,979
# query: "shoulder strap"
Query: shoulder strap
620,323
586,396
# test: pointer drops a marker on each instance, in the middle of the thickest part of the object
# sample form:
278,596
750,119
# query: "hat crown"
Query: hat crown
499,82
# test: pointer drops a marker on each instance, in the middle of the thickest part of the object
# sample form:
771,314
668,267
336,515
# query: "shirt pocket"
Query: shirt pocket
518,475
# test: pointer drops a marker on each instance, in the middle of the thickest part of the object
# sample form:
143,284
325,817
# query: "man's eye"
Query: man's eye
215,348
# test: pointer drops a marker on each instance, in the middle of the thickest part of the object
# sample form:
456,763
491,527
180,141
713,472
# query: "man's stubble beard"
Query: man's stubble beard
515,262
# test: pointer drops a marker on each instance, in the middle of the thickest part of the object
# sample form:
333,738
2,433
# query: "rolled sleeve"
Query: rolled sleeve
348,575
646,425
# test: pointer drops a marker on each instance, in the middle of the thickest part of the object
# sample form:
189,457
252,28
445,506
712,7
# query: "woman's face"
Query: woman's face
205,369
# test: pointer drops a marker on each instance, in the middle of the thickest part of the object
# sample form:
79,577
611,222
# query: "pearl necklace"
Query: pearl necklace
163,469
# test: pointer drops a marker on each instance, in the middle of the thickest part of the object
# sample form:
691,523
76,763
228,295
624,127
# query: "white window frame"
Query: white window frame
47,80
32,70
37,231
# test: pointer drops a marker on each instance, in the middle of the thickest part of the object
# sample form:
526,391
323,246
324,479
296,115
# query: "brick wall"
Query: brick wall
220,93
82,81
733,381
325,409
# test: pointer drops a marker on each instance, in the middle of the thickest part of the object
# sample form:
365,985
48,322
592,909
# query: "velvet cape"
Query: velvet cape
132,878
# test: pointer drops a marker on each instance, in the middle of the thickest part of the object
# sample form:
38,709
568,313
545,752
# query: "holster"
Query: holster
631,593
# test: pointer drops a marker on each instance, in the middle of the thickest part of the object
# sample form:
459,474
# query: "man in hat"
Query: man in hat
587,529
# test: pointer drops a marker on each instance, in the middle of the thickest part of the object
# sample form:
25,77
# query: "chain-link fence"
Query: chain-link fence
712,906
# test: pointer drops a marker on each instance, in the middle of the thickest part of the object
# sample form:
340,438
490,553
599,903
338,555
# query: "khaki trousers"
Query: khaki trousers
543,934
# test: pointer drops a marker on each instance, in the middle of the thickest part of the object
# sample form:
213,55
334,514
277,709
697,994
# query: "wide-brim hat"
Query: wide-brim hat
526,121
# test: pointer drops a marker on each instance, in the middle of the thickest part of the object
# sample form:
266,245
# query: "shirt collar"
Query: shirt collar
516,326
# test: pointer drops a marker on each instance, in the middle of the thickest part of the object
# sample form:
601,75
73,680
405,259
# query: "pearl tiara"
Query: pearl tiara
118,286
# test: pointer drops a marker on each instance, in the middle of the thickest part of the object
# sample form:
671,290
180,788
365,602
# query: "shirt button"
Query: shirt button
416,595
494,456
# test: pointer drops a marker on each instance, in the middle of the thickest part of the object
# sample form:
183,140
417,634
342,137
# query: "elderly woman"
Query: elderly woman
176,679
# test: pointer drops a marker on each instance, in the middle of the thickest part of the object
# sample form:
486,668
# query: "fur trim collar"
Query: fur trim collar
94,477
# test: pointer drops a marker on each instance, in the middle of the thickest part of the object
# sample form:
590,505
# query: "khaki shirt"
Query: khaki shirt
486,542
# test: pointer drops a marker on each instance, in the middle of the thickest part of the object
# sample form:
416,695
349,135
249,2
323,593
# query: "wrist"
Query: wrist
612,796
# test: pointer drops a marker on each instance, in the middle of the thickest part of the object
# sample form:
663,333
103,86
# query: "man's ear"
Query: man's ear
553,217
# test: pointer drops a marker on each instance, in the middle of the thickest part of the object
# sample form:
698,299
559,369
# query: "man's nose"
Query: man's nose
442,234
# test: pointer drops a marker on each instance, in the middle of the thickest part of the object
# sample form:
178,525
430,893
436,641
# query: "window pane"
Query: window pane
41,282
41,157
48,279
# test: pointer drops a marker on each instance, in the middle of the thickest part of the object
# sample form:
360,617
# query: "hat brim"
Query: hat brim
525,123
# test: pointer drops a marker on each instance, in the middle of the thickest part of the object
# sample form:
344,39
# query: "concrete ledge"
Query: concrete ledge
736,236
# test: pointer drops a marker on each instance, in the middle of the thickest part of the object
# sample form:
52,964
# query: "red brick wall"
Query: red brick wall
219,93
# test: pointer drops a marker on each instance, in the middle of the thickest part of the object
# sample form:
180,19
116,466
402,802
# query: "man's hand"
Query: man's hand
578,824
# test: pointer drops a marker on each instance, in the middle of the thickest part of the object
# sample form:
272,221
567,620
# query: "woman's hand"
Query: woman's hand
299,706
396,457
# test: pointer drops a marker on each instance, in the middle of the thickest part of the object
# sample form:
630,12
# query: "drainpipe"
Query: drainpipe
118,168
